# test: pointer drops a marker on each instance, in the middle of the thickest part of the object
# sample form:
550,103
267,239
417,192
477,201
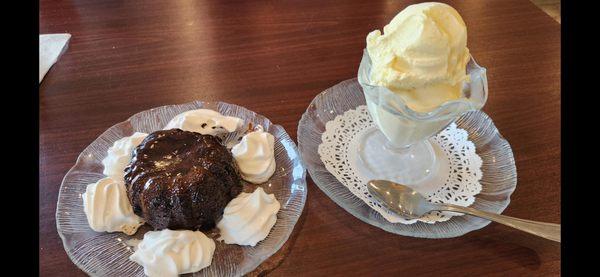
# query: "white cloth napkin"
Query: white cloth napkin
51,47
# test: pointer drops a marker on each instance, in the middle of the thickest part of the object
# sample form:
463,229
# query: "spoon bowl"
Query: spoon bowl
399,198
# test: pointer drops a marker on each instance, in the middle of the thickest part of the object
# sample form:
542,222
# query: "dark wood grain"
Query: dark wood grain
273,57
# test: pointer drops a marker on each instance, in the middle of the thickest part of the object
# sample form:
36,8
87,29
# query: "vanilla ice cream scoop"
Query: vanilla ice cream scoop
421,55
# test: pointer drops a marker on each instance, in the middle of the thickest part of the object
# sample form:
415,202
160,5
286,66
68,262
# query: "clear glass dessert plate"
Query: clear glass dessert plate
107,254
499,172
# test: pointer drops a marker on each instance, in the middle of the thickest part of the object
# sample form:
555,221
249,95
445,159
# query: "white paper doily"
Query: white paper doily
456,182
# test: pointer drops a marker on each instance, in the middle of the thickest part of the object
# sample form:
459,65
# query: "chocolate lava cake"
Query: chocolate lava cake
181,180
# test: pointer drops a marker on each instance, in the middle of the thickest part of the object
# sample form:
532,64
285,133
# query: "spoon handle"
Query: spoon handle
549,231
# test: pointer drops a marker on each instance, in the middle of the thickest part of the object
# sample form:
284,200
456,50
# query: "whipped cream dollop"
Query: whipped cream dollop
171,253
255,156
421,55
107,207
248,218
119,155
205,121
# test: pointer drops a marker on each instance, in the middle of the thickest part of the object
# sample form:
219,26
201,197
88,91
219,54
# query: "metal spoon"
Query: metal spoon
411,204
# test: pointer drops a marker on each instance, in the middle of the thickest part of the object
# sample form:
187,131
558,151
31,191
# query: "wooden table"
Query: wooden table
273,58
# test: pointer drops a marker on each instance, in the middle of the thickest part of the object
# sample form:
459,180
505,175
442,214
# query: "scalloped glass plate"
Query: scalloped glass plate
499,172
107,254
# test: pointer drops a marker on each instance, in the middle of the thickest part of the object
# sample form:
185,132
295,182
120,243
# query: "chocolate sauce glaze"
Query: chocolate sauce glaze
181,180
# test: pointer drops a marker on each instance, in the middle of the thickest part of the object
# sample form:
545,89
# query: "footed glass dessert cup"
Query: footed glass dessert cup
399,148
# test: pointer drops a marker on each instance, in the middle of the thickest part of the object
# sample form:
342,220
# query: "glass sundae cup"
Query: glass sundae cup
399,148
